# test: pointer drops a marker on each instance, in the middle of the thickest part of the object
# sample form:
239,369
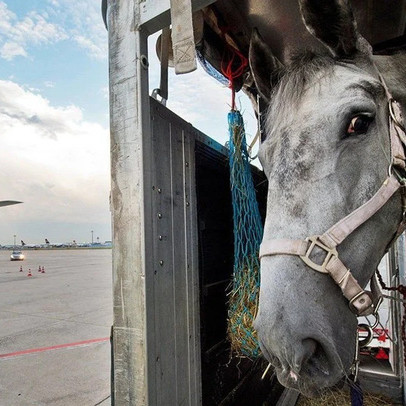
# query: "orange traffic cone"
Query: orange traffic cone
381,354
21,268
29,272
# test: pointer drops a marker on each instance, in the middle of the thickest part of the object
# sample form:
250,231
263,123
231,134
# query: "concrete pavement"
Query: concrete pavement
54,328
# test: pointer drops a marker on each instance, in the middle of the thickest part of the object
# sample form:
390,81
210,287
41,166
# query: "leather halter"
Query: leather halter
361,302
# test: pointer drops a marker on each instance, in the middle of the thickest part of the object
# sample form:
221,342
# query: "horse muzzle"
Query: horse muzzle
310,368
307,334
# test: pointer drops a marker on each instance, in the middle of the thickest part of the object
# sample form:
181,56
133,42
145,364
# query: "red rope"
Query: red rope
227,67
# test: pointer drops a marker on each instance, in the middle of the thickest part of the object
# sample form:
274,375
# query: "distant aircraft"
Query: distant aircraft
8,202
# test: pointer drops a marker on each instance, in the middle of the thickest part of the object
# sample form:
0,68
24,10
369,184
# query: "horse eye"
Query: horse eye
358,125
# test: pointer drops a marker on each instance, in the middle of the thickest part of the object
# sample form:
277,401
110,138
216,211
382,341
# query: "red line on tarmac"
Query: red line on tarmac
54,347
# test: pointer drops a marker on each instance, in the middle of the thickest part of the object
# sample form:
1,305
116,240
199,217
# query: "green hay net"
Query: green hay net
248,230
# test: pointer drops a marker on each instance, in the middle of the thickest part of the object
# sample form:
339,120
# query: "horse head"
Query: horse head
326,153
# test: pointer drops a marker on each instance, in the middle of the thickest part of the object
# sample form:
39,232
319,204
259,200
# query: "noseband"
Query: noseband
361,302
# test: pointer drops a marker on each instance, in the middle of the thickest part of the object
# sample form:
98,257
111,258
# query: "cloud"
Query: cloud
85,25
22,106
36,29
53,160
10,50
94,50
6,17
104,91
17,35
80,22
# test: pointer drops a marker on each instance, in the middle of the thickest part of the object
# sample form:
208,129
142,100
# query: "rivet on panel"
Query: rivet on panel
159,215
161,262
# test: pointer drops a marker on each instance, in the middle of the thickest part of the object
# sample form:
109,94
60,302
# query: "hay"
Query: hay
342,398
243,307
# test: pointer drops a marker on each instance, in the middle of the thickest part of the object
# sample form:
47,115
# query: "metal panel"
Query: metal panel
176,342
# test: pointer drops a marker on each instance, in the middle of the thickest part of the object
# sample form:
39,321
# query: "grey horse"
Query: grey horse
326,152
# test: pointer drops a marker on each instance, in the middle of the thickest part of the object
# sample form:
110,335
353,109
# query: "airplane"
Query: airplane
8,202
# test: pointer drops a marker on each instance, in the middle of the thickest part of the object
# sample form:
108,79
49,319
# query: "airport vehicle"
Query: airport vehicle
17,256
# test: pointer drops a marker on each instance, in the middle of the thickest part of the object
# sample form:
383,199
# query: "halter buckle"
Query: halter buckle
315,242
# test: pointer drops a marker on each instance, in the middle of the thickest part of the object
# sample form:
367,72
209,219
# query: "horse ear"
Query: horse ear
265,67
332,22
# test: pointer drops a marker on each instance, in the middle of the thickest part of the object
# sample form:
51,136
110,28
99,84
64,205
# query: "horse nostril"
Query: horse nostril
305,352
312,358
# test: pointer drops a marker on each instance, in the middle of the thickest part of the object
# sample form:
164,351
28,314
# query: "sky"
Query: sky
54,121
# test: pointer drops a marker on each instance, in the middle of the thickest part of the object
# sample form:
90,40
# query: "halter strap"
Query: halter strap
361,302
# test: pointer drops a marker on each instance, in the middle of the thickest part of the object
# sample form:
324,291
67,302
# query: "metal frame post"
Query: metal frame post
130,172
401,248
156,330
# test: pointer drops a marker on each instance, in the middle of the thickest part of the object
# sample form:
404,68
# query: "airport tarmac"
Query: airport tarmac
55,327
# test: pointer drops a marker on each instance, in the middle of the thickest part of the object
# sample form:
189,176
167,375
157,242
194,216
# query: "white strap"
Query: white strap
341,230
360,300
184,53
283,246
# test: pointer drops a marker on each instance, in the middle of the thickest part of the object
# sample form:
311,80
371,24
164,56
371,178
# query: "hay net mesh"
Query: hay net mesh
248,230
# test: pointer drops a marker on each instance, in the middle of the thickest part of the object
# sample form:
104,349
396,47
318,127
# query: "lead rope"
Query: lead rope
357,396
